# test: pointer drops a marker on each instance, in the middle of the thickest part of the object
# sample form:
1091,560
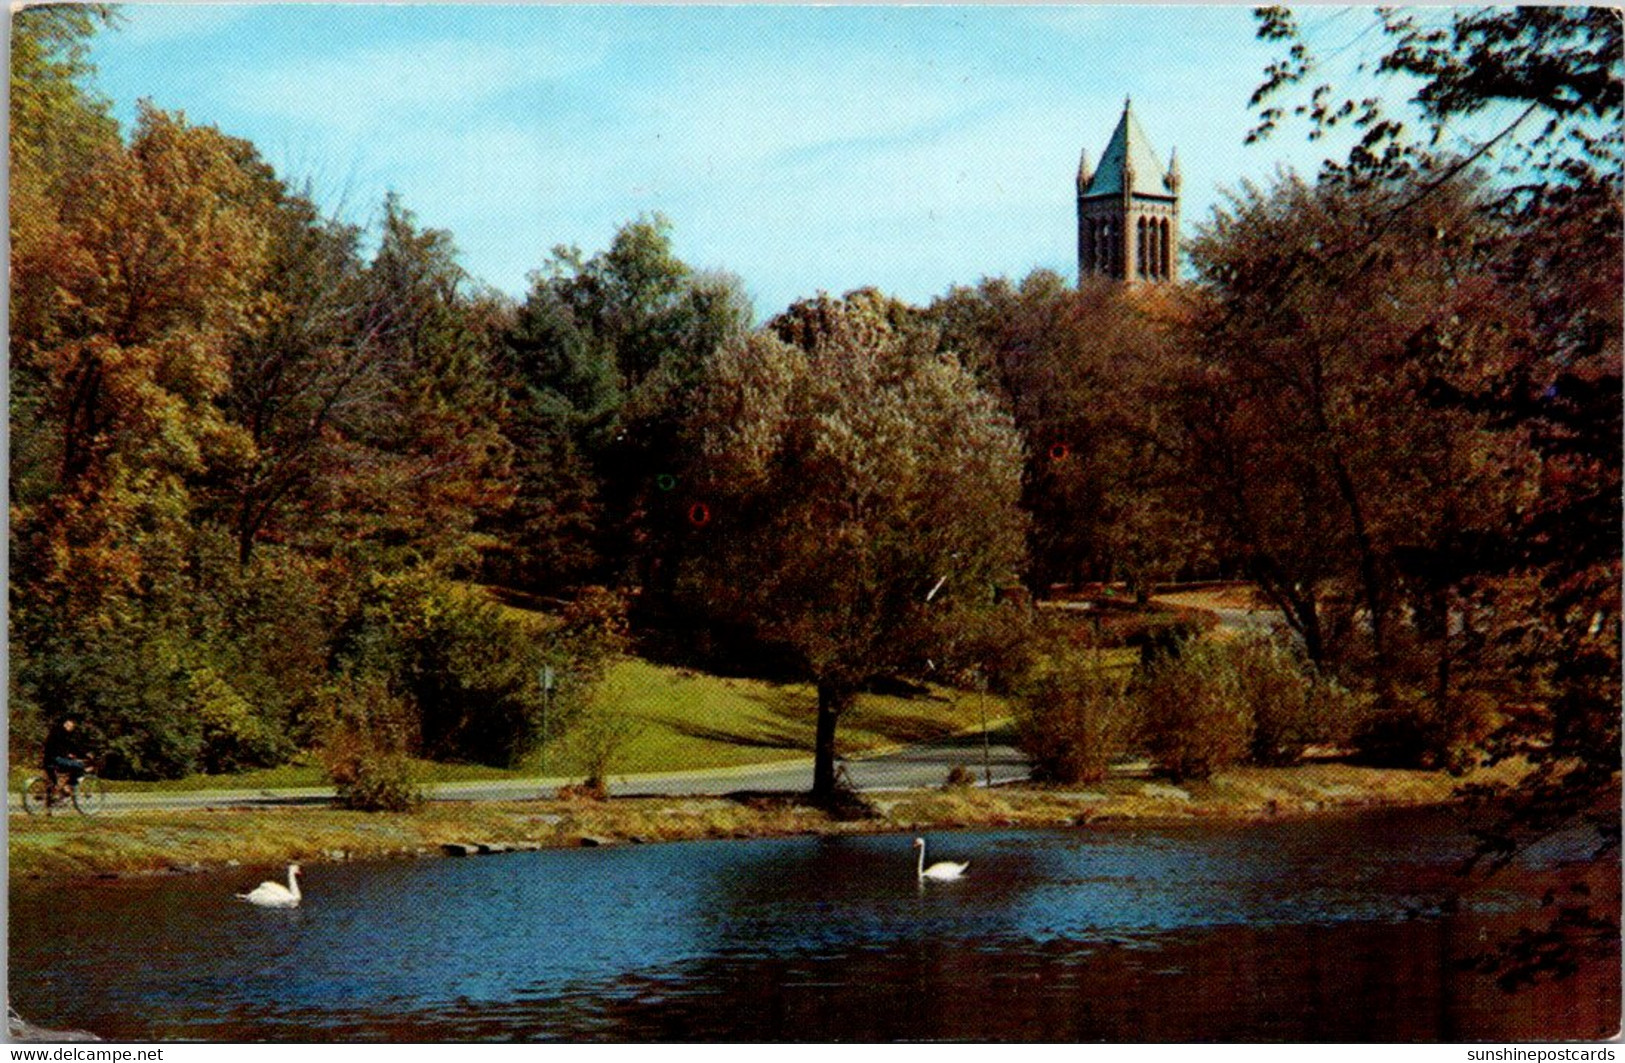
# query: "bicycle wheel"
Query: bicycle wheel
90,795
35,791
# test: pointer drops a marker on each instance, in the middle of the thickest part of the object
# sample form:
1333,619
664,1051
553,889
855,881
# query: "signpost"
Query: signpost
546,678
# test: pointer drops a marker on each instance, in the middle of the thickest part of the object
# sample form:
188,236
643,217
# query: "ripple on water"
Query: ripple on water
1296,930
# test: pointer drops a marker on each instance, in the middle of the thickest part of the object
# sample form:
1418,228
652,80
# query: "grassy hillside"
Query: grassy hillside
689,719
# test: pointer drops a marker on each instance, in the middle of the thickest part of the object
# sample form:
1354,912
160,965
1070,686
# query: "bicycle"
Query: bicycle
88,795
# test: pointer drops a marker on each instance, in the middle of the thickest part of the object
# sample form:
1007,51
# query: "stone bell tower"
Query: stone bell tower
1128,209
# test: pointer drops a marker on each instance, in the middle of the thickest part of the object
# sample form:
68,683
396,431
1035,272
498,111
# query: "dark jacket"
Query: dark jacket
61,742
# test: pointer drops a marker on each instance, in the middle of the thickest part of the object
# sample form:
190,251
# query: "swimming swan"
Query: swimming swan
941,871
275,894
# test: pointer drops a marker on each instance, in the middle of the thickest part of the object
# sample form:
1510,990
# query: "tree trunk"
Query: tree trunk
1440,604
1373,580
832,701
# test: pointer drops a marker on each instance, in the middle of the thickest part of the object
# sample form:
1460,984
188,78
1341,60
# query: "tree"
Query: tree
121,349
1308,426
600,359
1556,76
432,462
306,383
153,276
57,126
844,471
59,131
1080,369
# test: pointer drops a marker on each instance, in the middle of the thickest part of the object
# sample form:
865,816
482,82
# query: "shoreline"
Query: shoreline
68,849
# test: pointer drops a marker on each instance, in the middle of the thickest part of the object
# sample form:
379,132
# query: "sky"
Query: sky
804,149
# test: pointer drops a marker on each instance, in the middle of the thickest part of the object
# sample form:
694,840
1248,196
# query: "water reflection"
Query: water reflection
1292,931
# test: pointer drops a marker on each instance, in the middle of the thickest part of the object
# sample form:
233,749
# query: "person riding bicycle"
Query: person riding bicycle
62,756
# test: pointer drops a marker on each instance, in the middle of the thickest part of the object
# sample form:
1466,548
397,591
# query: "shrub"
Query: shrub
596,618
1074,721
959,778
366,734
1109,624
596,740
1417,734
1197,720
127,687
474,673
1293,705
204,668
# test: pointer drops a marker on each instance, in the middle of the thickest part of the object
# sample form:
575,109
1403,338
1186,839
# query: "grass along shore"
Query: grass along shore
47,851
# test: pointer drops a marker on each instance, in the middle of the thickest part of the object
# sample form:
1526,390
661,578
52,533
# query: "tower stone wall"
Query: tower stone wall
1128,209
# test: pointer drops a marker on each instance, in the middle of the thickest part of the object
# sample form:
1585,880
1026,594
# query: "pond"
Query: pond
1323,929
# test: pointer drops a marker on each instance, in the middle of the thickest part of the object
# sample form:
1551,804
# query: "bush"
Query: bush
1293,706
128,688
474,676
474,673
1074,721
597,739
366,734
205,668
234,737
1197,720
1110,624
1416,734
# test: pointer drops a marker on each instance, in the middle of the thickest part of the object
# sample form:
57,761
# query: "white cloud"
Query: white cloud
386,87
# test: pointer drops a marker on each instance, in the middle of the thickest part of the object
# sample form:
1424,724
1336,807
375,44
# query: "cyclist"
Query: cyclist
62,756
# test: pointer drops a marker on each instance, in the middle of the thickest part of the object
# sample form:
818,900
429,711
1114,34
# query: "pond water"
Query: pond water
1322,929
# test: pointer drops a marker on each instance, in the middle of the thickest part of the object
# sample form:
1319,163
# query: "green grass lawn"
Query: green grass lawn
685,720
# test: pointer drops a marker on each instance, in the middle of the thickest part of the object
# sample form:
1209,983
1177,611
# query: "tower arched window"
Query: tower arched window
1167,249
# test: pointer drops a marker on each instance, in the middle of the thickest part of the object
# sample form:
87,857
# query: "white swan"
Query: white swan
275,894
940,871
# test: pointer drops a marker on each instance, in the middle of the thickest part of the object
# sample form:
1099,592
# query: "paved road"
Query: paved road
1262,620
923,765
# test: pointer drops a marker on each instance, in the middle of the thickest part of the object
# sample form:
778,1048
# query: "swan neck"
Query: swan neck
919,865
293,883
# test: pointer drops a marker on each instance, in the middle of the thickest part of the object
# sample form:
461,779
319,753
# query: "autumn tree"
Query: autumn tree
229,429
1539,93
148,279
1080,370
857,497
306,382
429,460
154,272
59,130
1311,432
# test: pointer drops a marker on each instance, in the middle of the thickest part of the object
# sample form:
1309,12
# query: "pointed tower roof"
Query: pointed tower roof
1129,160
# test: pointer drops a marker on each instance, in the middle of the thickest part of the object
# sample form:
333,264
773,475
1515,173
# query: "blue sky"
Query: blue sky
803,148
